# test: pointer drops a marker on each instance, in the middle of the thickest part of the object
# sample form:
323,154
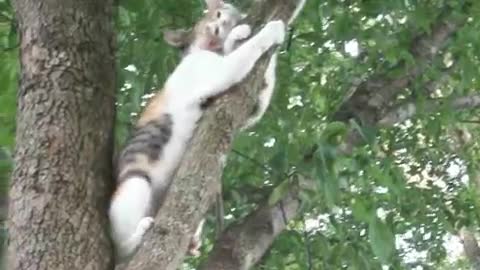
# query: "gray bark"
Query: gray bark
65,114
471,248
242,245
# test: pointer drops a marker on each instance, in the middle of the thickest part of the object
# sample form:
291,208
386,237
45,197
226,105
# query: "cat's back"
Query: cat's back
193,68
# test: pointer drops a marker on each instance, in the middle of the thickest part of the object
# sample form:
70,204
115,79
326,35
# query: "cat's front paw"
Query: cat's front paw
276,30
242,31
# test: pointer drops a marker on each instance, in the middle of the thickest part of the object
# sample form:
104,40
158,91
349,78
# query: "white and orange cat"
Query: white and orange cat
227,42
148,161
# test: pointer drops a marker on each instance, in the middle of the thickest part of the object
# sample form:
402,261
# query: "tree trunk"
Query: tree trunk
65,115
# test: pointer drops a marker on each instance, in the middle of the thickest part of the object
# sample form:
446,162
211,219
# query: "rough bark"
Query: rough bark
198,178
471,248
62,173
242,245
408,110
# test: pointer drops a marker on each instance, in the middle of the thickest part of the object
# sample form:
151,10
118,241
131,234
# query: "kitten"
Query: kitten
228,13
230,43
212,31
182,39
151,156
225,45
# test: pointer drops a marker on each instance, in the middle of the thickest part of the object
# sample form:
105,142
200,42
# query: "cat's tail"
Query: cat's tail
128,212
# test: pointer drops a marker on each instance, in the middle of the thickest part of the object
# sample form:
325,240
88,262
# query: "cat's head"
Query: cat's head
210,31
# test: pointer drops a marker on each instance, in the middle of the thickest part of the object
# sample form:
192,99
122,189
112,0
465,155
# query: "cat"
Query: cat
212,31
228,16
230,43
151,156
182,39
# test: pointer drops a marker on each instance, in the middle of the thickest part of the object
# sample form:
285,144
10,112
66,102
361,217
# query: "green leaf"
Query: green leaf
279,192
279,161
334,131
361,211
382,240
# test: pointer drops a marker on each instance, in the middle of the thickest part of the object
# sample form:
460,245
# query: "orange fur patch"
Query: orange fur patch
153,110
117,191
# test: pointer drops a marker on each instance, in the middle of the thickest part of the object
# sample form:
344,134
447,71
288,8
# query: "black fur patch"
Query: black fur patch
135,172
207,103
148,140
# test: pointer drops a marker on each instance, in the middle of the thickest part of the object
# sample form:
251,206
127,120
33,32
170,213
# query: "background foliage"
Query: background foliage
397,201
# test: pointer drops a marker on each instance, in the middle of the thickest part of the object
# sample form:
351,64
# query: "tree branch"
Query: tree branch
470,246
198,178
409,109
379,90
372,97
242,245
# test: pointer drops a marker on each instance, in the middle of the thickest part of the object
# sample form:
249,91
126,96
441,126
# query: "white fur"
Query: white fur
196,240
127,214
238,33
200,75
204,74
265,94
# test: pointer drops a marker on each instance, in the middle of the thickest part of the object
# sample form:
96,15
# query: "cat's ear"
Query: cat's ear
179,38
212,5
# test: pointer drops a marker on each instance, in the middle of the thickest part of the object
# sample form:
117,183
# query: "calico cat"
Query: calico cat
148,161
181,39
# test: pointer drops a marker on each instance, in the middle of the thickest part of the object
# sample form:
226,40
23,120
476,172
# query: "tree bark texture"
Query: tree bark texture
66,105
242,245
471,248
198,178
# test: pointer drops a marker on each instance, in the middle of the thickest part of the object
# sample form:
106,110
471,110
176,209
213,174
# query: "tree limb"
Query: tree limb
242,245
373,96
470,246
198,178
379,90
409,109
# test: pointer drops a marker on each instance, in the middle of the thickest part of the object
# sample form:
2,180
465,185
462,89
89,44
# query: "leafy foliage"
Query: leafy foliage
394,200
8,85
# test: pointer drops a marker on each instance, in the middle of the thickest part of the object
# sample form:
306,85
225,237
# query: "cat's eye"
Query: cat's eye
219,14
216,31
